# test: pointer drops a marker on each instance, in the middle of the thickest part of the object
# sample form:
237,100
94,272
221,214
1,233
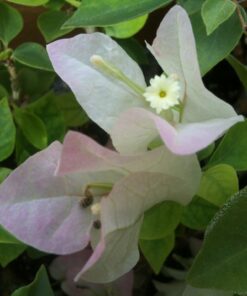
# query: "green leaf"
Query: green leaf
198,213
206,152
156,251
50,24
215,12
72,112
218,184
221,263
7,130
39,287
3,92
126,29
33,55
215,47
109,12
134,49
11,23
190,291
191,6
47,109
232,148
239,68
29,2
10,247
32,127
34,83
161,220
4,172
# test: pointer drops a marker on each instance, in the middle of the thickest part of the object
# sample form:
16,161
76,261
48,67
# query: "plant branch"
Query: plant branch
241,18
13,79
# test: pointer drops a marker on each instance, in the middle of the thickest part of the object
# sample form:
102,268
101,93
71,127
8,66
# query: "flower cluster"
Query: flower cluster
128,109
79,193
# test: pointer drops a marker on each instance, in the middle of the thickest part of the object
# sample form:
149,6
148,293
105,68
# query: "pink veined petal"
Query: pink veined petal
43,210
102,97
81,154
183,139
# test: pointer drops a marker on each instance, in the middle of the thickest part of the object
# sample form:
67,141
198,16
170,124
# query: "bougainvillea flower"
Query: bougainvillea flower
65,268
111,88
65,197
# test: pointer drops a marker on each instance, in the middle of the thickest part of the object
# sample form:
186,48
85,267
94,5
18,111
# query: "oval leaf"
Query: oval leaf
109,12
232,149
39,287
126,29
50,24
215,47
32,127
11,23
33,55
239,68
161,220
215,12
7,130
221,263
10,247
218,184
156,251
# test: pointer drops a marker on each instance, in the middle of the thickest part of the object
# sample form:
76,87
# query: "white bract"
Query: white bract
111,88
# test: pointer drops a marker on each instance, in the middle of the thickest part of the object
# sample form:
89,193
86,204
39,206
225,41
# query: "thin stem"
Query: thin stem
241,18
13,80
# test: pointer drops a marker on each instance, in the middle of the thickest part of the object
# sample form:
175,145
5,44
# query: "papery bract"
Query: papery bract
41,201
124,113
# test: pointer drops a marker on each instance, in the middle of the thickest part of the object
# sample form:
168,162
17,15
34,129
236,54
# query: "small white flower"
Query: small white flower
163,92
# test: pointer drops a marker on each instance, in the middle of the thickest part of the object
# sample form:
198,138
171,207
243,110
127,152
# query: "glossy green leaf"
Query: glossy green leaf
126,29
218,184
215,47
33,55
39,287
232,148
34,83
191,6
32,127
72,112
47,109
161,220
215,12
4,172
198,213
10,247
7,130
109,12
50,24
11,23
156,251
29,2
239,68
221,263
